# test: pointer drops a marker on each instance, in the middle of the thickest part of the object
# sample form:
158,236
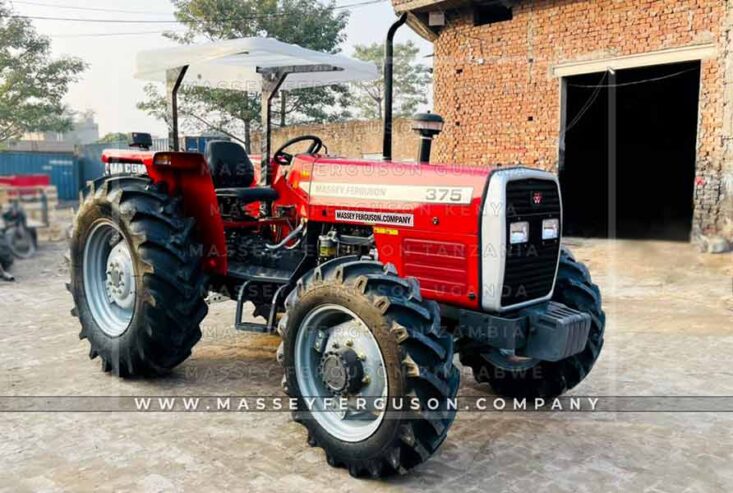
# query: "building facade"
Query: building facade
355,138
598,90
84,131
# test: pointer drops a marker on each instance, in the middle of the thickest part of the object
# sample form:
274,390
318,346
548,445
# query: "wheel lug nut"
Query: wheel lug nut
349,343
366,380
362,356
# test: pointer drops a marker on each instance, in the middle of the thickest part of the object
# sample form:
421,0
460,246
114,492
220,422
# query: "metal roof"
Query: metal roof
238,64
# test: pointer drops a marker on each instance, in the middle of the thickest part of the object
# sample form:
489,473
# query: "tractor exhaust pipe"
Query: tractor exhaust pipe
427,126
388,86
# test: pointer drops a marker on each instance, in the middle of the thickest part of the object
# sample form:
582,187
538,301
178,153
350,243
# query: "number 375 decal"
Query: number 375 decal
450,195
396,193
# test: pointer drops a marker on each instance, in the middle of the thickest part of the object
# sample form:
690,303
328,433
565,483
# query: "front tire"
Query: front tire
136,277
374,304
575,289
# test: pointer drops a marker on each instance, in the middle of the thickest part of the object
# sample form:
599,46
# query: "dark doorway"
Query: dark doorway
656,114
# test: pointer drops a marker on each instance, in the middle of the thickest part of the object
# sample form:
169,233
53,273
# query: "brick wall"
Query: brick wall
352,139
495,87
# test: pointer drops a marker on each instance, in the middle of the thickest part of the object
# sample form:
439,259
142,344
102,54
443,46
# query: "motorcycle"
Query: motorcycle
21,239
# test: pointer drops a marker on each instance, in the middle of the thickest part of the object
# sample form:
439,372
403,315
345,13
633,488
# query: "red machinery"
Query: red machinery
26,181
373,273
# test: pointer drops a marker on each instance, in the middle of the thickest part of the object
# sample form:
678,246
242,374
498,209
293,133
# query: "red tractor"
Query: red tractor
374,273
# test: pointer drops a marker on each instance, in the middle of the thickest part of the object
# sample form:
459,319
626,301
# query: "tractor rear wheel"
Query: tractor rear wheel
136,277
354,329
521,377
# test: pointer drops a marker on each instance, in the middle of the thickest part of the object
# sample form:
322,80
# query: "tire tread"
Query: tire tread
172,279
415,326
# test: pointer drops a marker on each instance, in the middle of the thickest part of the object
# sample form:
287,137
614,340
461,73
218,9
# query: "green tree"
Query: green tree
32,84
112,138
308,23
411,81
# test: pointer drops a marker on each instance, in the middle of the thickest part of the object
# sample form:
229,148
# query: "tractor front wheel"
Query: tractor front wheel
356,332
136,277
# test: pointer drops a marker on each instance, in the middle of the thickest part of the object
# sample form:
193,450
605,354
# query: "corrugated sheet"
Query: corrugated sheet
62,167
198,144
69,173
91,157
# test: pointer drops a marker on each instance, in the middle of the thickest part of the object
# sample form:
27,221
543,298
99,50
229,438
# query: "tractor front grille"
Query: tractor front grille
529,271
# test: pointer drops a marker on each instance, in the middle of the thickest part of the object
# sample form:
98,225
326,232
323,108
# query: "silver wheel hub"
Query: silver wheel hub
109,278
342,372
120,282
337,358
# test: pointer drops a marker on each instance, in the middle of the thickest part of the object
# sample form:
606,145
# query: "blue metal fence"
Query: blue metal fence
69,172
198,144
60,166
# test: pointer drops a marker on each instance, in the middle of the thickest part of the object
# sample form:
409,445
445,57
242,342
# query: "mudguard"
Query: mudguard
186,175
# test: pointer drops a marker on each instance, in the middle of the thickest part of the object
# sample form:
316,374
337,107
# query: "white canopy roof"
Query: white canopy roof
234,64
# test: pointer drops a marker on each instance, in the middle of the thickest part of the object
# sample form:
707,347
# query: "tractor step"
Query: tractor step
252,327
258,274
240,324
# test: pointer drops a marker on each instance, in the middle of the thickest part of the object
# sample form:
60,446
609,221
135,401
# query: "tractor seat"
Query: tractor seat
233,173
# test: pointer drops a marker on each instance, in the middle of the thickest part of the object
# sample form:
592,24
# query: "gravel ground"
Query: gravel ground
669,333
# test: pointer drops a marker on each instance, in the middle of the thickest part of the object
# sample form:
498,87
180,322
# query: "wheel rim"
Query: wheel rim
109,278
336,355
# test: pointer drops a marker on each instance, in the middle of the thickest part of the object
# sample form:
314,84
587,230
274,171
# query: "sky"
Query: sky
108,88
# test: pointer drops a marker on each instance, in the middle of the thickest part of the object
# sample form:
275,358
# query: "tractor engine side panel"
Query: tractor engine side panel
425,218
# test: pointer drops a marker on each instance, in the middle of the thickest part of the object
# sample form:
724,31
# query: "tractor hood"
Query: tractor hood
424,197
448,226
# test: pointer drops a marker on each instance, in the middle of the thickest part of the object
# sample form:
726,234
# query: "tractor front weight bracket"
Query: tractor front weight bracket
548,332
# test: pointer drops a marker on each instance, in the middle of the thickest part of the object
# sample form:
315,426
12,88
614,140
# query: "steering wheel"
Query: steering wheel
284,158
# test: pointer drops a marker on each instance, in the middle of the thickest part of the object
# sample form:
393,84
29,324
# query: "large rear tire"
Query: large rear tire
392,329
136,277
575,289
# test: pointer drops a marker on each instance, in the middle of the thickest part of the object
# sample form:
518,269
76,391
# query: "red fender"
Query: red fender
187,175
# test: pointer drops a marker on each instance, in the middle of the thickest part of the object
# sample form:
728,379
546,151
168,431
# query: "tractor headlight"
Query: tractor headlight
550,229
519,232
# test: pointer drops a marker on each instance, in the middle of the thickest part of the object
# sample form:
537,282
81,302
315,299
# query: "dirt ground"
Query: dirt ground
669,333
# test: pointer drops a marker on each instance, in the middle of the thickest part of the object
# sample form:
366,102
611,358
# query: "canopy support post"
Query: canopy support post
272,80
173,80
